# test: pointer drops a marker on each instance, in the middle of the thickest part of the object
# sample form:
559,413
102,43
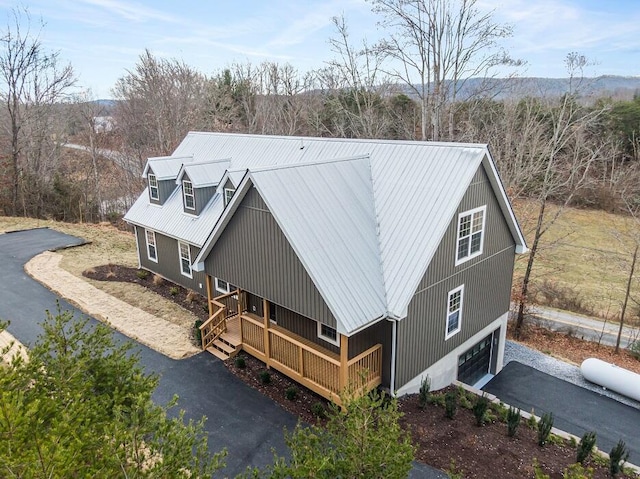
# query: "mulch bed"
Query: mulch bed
456,445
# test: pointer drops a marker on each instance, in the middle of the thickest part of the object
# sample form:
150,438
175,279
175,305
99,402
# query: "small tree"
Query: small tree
81,407
364,440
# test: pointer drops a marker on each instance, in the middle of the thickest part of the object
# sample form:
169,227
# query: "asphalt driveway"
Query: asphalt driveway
576,410
240,419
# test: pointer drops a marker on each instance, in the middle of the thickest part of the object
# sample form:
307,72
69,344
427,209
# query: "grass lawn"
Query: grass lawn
587,251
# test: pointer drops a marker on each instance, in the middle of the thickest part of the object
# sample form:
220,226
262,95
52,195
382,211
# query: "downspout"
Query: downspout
135,230
392,382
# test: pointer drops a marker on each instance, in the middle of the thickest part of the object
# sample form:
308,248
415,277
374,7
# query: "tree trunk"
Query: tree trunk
626,298
527,274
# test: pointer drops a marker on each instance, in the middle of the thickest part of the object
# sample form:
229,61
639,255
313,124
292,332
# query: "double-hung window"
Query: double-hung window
470,234
189,198
185,259
228,194
329,334
224,287
153,187
152,252
454,311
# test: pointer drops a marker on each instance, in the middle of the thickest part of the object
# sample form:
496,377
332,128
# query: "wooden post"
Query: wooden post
344,360
209,294
239,295
265,319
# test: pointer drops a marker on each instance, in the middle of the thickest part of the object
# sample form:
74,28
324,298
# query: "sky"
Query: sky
102,39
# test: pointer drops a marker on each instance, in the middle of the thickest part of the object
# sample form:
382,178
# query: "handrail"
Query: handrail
226,295
216,330
364,354
306,347
211,318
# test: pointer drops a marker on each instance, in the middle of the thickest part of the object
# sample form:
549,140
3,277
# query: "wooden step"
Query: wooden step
230,339
224,347
217,353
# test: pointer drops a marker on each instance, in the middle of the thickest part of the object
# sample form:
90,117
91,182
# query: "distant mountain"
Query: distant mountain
617,87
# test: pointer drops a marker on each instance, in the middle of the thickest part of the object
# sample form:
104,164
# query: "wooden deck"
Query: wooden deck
230,329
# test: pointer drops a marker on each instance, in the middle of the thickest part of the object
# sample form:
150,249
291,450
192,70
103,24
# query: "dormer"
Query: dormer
228,184
198,183
160,173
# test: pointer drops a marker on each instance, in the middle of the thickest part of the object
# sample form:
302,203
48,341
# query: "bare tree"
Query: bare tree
33,83
438,45
564,157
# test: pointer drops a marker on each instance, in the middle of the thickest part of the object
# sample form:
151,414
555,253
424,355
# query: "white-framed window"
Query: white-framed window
153,187
228,194
187,193
152,252
454,311
470,234
224,287
185,259
329,334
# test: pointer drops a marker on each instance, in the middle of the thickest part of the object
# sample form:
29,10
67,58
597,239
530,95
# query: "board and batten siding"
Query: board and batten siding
487,287
168,265
254,254
201,197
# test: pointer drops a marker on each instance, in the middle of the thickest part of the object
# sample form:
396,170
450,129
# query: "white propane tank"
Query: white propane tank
612,377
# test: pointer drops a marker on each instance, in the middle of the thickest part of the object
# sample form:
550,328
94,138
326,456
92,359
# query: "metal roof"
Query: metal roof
204,173
166,167
368,224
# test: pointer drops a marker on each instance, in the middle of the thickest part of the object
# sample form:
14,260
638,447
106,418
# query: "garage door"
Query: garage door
475,362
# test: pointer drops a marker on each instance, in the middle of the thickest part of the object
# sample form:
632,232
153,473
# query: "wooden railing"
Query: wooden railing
307,364
223,307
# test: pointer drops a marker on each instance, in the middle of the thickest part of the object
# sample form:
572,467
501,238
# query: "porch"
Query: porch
231,328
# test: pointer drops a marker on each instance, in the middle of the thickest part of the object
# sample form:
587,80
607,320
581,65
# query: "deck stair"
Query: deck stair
229,343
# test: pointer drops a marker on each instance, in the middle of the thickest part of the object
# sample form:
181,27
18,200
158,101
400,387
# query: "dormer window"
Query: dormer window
228,194
187,193
153,187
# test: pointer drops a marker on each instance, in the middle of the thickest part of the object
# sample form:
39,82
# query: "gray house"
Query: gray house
338,261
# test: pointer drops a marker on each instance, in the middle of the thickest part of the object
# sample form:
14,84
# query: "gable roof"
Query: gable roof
401,197
203,173
165,167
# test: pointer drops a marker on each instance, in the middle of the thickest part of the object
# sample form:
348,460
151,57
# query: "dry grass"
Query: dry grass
108,246
588,251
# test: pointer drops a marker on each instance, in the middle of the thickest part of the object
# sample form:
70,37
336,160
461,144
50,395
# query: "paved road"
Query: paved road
591,329
125,162
240,419
576,410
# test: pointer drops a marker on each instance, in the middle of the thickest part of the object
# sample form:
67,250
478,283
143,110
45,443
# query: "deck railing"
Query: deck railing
316,369
223,307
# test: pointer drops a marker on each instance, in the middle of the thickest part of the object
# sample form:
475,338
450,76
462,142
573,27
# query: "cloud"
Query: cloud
132,11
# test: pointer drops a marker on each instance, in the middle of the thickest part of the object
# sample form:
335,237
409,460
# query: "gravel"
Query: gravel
559,369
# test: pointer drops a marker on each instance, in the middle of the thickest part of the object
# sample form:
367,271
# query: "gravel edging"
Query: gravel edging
514,351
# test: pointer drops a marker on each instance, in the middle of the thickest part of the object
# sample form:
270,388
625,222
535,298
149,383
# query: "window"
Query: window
470,234
152,253
187,192
454,311
153,187
329,334
224,287
185,259
272,313
228,194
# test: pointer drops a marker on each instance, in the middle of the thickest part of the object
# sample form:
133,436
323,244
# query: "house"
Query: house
337,261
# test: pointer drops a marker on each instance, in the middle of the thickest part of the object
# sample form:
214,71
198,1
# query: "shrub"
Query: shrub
617,457
142,274
318,410
451,404
265,377
158,280
513,421
240,362
191,296
500,409
173,290
532,422
585,446
634,349
577,471
537,471
544,428
196,330
291,393
480,409
425,392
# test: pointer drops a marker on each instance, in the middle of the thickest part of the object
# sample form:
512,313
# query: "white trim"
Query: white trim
190,195
157,188
392,381
330,340
180,258
135,231
155,244
220,289
471,213
448,334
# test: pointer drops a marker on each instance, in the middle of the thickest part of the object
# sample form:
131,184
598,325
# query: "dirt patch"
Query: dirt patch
190,300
